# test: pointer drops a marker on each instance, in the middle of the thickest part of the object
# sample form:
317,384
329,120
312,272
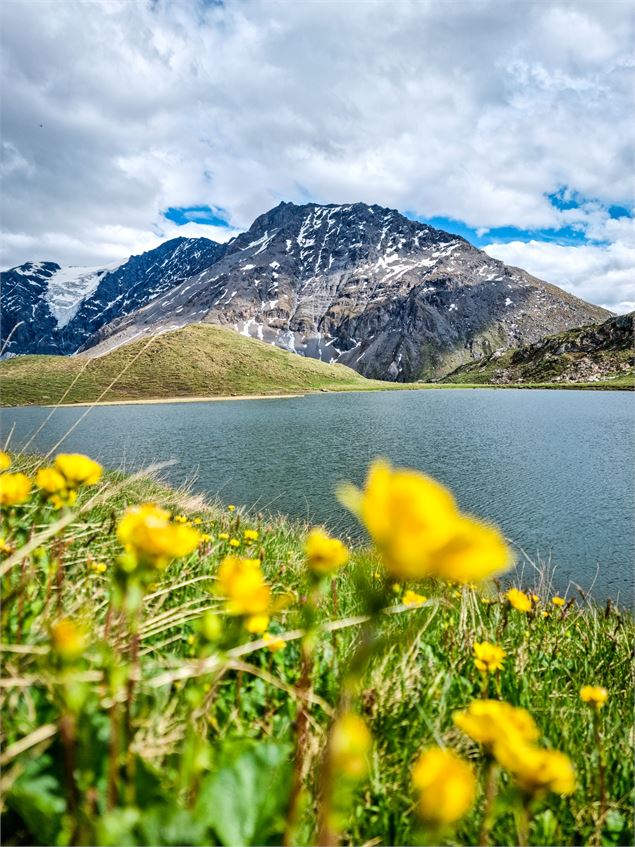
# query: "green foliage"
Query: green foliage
203,735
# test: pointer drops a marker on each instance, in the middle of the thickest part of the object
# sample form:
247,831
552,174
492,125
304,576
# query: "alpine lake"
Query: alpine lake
554,469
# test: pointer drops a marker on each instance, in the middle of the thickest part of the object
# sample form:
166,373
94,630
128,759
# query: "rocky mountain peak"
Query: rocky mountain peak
365,286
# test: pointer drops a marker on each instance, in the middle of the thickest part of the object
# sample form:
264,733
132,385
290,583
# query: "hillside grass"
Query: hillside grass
199,360
204,361
210,747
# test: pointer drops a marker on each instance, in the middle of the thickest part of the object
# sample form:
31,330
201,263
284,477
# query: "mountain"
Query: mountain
591,354
50,309
364,286
197,361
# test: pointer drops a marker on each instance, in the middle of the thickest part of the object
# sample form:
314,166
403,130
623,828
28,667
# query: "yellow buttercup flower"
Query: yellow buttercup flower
223,536
180,519
5,460
242,583
446,786
234,542
558,601
274,642
197,521
487,721
350,746
475,551
594,695
250,535
4,546
411,598
206,537
98,567
534,769
519,600
148,532
257,623
231,508
78,469
55,488
419,531
68,639
488,657
14,488
324,554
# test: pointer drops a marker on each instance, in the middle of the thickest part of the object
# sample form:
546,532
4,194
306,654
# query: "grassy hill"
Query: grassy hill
196,361
598,356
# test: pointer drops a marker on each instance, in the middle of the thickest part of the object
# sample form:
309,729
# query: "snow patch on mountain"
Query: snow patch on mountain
68,287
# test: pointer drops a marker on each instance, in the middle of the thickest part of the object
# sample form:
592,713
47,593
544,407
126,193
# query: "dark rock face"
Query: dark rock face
364,286
49,309
590,353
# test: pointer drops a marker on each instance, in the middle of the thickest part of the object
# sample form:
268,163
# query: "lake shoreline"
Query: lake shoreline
213,398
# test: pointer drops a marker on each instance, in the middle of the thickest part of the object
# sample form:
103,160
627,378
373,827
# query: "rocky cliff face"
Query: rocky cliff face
50,309
364,286
592,353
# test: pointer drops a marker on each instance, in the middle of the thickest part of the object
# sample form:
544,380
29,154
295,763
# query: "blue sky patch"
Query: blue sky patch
196,214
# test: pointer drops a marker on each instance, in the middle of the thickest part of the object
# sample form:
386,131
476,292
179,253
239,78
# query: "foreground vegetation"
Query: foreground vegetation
188,674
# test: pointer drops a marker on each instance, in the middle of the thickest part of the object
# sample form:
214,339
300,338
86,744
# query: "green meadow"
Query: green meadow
138,709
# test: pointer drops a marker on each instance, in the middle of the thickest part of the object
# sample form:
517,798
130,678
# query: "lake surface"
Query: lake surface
553,468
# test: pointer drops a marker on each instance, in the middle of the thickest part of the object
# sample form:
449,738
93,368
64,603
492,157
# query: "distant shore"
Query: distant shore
214,398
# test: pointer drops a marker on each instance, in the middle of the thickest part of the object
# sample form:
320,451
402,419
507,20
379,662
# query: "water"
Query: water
553,468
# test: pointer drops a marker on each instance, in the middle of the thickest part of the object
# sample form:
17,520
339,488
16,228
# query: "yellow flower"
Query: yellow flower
98,567
418,529
147,531
519,600
223,536
411,598
535,598
257,623
243,584
180,519
487,721
4,546
197,521
251,535
77,469
350,746
534,769
446,786
231,508
274,642
14,488
324,554
488,657
5,460
558,601
234,542
594,695
545,614
475,551
68,639
55,487
206,537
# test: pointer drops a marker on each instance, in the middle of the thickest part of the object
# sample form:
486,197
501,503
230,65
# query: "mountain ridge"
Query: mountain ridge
364,286
356,284
47,310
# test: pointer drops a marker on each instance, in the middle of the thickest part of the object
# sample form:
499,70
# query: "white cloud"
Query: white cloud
599,274
469,110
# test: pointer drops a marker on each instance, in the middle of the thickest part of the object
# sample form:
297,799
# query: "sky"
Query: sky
127,123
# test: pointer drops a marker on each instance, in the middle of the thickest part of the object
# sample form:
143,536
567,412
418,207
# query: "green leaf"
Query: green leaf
245,800
35,798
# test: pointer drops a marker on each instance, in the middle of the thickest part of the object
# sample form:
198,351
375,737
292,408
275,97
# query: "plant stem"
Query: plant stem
488,802
301,726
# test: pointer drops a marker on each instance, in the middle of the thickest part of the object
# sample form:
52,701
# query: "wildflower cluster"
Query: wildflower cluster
202,678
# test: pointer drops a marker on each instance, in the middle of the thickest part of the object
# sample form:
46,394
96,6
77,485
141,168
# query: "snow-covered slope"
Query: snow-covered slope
364,286
50,309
